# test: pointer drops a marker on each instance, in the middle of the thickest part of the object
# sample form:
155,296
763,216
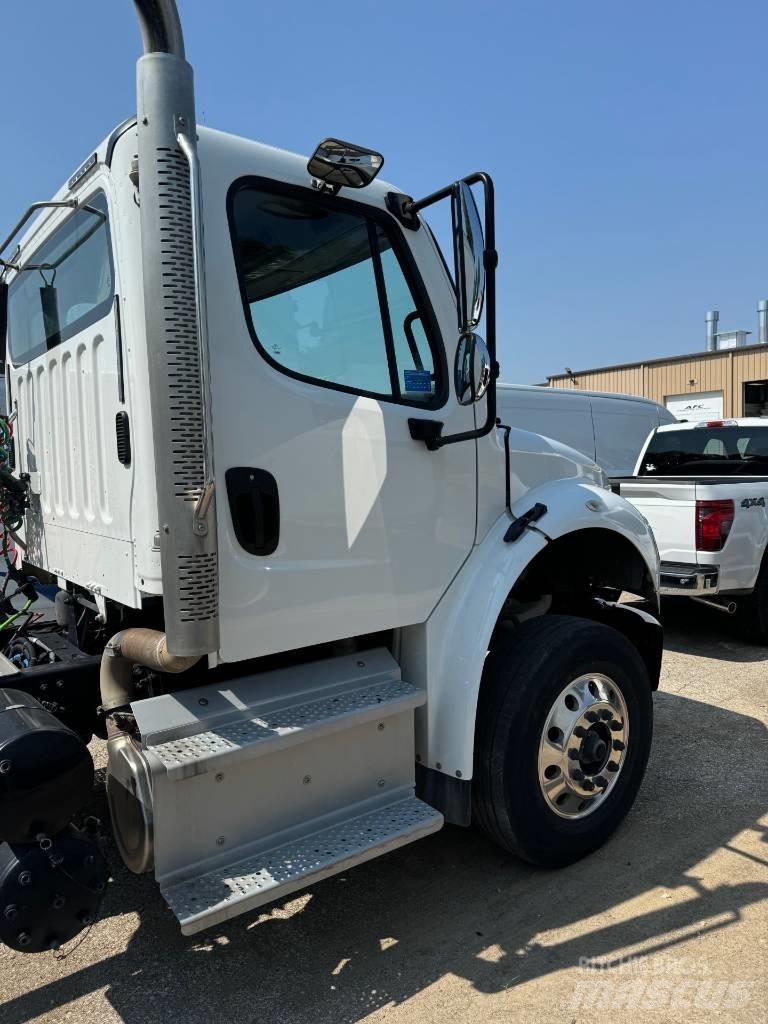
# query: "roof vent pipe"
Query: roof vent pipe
762,322
712,318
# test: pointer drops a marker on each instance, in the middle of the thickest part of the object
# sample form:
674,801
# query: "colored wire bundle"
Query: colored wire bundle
13,504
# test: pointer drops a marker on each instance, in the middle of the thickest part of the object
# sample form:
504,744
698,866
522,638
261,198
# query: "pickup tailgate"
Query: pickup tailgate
670,508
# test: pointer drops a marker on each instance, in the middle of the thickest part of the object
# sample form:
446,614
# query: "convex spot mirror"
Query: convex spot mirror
469,248
472,369
340,163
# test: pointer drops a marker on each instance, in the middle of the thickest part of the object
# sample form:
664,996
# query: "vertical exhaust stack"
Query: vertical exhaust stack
712,318
176,331
762,322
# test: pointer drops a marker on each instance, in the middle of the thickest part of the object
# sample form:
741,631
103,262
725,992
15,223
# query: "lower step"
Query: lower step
239,887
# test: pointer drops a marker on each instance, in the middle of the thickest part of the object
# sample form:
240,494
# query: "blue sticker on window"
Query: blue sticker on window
417,380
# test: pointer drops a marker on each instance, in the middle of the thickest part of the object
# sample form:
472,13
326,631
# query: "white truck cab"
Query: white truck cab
314,598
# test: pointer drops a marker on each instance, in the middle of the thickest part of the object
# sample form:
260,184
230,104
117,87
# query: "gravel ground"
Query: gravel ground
666,923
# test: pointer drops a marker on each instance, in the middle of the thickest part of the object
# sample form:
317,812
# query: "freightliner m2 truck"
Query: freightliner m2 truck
315,597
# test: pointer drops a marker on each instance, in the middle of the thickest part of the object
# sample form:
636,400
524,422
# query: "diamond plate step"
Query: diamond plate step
283,726
238,887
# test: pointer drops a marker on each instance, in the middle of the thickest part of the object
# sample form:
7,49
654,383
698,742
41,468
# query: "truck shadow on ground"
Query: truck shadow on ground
693,628
450,905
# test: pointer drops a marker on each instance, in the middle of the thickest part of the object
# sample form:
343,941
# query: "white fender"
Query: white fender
447,652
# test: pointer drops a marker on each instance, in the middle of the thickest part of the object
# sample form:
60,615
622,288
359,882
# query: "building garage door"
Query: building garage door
701,405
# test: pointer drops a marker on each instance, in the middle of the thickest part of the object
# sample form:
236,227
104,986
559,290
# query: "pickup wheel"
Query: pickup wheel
563,734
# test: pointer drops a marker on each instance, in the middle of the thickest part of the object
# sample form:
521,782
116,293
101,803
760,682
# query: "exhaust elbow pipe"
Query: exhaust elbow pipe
160,27
130,647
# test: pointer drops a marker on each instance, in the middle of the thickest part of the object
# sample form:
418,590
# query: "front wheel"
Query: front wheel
564,727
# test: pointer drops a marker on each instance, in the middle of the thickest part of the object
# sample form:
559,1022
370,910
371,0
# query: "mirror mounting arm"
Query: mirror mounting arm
401,208
490,261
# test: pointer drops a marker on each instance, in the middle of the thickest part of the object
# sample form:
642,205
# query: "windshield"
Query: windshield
708,451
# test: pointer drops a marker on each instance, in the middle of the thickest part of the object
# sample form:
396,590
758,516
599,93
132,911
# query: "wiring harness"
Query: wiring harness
14,501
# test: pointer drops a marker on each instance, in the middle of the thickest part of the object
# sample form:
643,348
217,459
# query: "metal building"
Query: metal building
729,378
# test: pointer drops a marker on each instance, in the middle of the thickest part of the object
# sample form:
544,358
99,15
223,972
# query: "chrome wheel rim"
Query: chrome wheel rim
583,746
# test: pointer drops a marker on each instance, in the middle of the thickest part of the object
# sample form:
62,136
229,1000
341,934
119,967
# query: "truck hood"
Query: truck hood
536,460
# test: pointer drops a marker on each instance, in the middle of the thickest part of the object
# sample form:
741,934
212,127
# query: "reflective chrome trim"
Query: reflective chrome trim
676,580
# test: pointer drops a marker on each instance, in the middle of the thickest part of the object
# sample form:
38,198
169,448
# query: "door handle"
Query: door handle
254,505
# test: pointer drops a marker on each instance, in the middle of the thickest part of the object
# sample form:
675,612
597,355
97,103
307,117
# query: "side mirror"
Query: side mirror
338,163
469,249
472,369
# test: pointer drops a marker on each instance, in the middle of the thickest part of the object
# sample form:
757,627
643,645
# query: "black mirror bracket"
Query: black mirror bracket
399,205
325,186
428,431
420,428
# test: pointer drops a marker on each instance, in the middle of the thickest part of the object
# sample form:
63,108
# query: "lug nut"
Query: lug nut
577,774
25,878
618,745
85,917
57,901
591,716
612,766
615,725
588,784
573,754
601,781
606,715
11,912
579,731
23,938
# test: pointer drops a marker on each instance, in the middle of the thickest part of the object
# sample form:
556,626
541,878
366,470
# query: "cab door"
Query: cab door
329,331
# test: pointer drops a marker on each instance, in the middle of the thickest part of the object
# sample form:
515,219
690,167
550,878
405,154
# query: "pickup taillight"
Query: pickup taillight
714,520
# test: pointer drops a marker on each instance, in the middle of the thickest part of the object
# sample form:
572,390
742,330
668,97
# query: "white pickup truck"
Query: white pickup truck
703,489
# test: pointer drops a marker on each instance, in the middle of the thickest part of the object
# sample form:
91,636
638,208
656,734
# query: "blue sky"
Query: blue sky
627,140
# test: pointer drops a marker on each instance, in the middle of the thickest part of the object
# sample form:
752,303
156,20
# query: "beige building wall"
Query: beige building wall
659,378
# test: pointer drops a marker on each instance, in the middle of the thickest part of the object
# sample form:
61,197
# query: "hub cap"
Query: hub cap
583,745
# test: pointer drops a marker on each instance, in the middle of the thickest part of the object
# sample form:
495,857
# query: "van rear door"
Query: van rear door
621,429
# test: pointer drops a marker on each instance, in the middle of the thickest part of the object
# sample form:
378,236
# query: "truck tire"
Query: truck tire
752,611
563,734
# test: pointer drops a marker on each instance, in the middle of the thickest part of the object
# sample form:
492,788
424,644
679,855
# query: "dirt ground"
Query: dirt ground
666,923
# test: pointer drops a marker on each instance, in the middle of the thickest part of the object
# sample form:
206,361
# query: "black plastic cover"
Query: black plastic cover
46,771
49,893
123,436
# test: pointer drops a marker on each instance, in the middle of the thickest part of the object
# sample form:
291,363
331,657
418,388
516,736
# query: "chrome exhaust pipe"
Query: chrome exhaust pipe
729,607
160,27
176,331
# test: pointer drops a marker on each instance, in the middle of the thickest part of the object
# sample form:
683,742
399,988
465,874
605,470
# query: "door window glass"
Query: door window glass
327,298
65,286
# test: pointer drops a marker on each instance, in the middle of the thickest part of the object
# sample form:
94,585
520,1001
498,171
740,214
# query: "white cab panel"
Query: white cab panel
79,522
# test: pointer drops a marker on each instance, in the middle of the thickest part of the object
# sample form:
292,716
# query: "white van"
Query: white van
611,429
